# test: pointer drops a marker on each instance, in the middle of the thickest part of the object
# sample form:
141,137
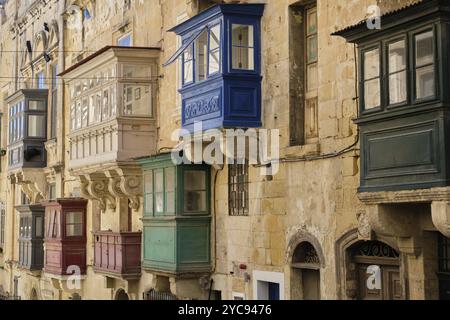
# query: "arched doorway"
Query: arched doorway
122,295
305,266
34,295
377,271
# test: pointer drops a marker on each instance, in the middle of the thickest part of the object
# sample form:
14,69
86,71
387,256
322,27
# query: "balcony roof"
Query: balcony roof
101,51
389,19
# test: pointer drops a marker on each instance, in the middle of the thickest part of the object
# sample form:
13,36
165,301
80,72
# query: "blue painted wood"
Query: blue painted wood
229,98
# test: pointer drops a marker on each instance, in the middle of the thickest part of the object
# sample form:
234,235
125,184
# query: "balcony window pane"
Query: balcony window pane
74,224
424,48
201,50
159,191
148,190
214,49
372,79
105,105
170,188
92,114
397,72
36,126
113,101
425,82
188,65
194,191
36,105
397,87
242,47
84,112
137,100
312,49
78,115
98,107
425,74
72,116
372,94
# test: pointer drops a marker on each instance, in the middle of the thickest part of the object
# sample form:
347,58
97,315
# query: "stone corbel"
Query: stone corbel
365,231
32,185
95,187
126,182
440,215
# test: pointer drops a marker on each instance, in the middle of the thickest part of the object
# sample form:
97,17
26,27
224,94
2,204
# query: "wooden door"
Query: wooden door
387,287
311,284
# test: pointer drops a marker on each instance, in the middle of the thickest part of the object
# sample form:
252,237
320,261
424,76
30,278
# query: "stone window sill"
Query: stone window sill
311,149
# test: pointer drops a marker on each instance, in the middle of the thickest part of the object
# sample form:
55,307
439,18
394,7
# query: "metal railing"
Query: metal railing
154,295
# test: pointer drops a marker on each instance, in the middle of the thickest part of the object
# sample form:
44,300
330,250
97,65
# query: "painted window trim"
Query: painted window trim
411,100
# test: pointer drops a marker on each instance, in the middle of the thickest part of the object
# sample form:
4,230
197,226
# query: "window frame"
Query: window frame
407,69
383,45
236,187
256,45
414,68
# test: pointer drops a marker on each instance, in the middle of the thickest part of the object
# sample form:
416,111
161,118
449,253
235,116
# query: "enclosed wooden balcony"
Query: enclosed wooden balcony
118,253
112,106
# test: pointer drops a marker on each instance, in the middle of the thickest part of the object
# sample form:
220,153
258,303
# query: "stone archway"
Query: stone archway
357,260
306,259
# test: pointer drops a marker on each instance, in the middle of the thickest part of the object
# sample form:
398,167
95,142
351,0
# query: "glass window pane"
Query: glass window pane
214,37
113,101
36,126
137,100
124,41
214,61
92,115
243,43
74,230
312,49
74,217
170,202
194,201
149,203
72,116
424,48
148,182
188,65
311,21
397,56
425,82
105,105
84,113
397,87
170,178
201,51
36,105
78,115
194,180
372,93
98,107
159,181
371,64
159,202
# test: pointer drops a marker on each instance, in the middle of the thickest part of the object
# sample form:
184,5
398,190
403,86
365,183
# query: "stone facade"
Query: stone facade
313,198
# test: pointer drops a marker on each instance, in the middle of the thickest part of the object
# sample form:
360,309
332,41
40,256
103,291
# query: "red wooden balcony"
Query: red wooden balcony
118,254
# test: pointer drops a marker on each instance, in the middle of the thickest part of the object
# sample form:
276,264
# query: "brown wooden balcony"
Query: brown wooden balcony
118,254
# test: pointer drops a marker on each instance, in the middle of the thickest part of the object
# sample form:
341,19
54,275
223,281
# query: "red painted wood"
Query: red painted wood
62,253
117,253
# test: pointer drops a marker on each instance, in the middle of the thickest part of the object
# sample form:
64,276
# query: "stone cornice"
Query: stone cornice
404,196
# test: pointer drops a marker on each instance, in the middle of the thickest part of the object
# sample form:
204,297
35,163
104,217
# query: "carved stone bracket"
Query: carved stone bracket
440,215
112,183
32,184
94,186
125,182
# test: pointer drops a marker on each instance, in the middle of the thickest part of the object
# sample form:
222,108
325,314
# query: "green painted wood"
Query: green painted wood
178,242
